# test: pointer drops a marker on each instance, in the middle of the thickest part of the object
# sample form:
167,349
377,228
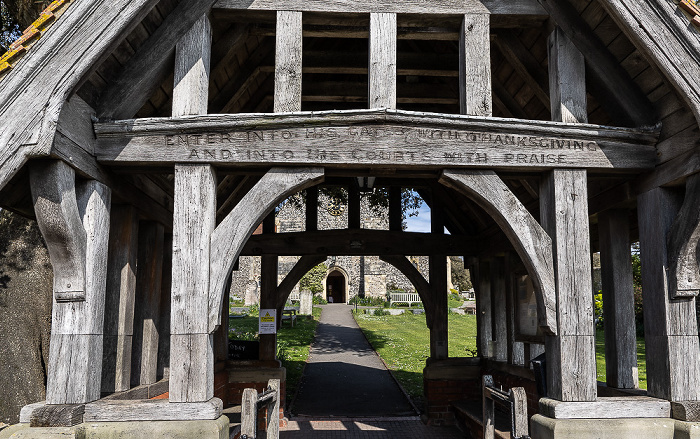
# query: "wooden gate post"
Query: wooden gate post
571,367
618,299
144,360
484,318
81,215
498,306
194,219
437,271
670,325
268,293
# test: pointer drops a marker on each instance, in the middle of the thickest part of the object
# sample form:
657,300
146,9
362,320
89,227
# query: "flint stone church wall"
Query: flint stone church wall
366,275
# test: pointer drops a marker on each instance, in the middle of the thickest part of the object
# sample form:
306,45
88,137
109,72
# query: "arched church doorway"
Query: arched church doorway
336,287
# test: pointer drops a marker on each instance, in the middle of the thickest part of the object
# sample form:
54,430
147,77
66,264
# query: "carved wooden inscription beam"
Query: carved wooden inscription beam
377,138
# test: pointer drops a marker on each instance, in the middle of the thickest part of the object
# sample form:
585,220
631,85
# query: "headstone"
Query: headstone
252,294
306,303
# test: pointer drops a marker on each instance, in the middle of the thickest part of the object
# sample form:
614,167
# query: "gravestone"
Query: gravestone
306,303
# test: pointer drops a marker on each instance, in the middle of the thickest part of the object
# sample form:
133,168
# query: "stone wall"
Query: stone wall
25,315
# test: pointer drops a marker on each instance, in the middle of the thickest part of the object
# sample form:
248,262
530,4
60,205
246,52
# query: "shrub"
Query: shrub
367,301
381,312
318,300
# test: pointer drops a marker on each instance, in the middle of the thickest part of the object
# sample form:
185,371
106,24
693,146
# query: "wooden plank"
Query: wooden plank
249,413
398,139
618,300
438,291
119,299
195,185
498,306
311,209
681,410
288,55
564,215
519,421
268,300
395,211
57,415
230,235
487,408
663,35
145,71
273,410
152,410
382,60
567,83
192,68
163,368
56,208
683,238
602,63
483,308
622,407
497,7
475,65
516,349
670,330
144,361
529,239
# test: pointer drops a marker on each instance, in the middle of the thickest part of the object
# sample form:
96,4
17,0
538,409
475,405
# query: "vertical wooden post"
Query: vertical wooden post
500,324
567,80
288,62
191,344
249,413
437,268
395,213
670,326
312,209
353,207
221,333
144,361
268,292
194,218
164,319
119,301
382,60
484,310
571,367
475,65
516,349
74,367
618,299
488,408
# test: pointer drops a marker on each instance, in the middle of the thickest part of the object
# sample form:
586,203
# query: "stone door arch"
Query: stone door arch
336,285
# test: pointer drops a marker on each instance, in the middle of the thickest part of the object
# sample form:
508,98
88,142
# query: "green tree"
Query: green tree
460,275
313,279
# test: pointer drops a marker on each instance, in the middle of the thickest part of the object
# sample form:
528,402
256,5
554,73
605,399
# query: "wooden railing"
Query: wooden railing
407,298
515,398
252,402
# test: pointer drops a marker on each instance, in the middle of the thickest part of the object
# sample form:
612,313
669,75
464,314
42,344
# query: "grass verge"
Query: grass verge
600,358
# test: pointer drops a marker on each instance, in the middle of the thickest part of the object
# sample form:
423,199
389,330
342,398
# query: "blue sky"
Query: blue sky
420,223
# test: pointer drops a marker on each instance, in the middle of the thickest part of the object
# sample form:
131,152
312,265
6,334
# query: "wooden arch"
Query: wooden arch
412,274
230,235
531,241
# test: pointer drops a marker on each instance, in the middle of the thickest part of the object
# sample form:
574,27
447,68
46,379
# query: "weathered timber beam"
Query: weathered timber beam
683,239
302,267
531,242
661,32
377,138
144,71
357,242
602,63
56,210
382,60
496,7
228,238
288,54
475,65
421,285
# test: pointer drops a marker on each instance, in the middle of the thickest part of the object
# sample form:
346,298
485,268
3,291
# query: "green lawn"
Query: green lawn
403,342
600,358
292,343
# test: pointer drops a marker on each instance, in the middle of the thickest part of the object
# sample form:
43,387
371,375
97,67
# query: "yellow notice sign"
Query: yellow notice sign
267,324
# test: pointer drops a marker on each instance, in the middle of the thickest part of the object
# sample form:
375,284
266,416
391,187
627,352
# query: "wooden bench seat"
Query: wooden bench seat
469,414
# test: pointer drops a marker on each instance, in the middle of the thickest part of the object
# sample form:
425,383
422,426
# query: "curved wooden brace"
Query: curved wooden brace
231,234
302,267
413,275
533,244
56,208
683,239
